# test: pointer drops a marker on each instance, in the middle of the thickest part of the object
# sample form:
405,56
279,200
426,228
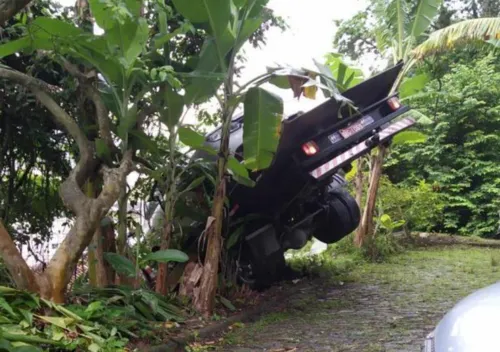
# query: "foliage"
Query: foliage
386,27
33,151
459,158
124,307
327,265
24,325
382,244
124,266
482,29
418,205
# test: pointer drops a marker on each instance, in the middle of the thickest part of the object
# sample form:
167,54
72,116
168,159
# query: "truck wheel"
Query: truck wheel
262,274
341,218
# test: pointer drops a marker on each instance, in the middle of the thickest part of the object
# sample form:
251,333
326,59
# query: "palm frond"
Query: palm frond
397,18
425,11
462,32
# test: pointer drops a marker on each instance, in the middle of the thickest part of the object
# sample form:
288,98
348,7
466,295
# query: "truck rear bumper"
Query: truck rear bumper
358,150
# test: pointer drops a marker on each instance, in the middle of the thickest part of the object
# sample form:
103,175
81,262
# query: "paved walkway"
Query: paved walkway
386,307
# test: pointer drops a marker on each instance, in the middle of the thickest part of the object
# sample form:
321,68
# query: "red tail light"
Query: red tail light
310,148
394,103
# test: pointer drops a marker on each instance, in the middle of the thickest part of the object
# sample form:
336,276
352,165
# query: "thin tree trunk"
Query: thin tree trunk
109,245
205,301
23,276
9,8
101,276
161,278
359,184
366,227
91,258
121,242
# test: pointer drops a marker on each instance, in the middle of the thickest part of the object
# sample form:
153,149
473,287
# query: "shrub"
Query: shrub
419,206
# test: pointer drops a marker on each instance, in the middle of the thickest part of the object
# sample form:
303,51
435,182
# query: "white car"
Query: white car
471,326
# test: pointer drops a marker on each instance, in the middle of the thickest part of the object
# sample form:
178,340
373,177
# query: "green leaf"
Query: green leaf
234,237
129,38
191,138
172,108
58,321
26,338
239,172
216,13
195,183
424,15
45,33
200,89
27,348
121,264
102,14
14,46
345,77
419,117
127,123
5,345
227,303
93,347
386,221
161,39
409,137
93,307
142,141
413,85
27,315
6,307
167,255
49,33
262,126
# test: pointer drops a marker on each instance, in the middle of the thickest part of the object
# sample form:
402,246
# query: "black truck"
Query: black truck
303,194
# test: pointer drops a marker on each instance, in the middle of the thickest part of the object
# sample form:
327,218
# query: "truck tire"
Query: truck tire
340,219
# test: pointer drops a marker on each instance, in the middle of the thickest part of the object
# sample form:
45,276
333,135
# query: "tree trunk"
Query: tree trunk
9,8
121,241
90,191
89,213
359,185
161,278
205,300
23,276
101,269
366,227
108,246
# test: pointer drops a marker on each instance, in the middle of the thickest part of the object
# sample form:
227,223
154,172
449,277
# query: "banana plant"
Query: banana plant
229,24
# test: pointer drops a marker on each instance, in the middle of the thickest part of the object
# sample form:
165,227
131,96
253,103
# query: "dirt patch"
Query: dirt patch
383,307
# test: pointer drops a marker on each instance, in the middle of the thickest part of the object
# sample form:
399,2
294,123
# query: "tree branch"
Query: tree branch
39,89
88,219
9,8
92,93
22,275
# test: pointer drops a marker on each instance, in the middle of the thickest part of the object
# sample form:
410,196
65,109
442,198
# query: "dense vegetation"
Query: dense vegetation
457,165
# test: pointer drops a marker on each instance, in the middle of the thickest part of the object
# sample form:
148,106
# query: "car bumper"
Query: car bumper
358,150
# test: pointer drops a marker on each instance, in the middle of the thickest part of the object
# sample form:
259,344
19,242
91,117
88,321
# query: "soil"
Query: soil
377,307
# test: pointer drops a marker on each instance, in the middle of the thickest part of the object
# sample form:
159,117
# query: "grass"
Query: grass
418,286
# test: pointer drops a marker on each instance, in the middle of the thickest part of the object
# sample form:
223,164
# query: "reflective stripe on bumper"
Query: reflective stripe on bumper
361,148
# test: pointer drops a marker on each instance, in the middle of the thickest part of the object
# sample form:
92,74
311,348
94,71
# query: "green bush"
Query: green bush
460,157
418,205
